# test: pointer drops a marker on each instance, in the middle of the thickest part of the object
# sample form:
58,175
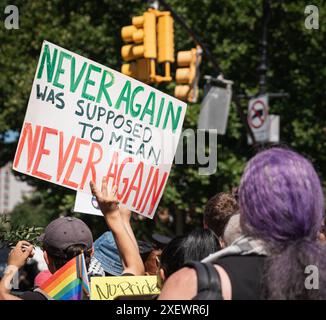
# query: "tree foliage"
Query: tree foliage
232,31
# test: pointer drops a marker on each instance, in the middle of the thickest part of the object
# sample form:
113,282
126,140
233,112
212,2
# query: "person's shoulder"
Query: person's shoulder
181,285
32,295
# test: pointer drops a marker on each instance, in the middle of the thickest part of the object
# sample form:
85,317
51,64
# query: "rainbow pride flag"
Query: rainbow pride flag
69,283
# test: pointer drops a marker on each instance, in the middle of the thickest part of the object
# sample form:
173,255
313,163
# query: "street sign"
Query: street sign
258,118
258,113
274,131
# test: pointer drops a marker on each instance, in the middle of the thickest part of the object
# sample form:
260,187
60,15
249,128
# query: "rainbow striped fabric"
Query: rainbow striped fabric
69,283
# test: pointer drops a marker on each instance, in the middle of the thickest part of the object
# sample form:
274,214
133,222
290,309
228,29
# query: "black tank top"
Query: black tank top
245,273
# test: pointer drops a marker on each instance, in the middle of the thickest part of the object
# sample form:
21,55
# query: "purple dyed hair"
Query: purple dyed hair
281,198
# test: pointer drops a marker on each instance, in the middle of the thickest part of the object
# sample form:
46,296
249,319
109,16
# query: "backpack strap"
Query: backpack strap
208,281
215,281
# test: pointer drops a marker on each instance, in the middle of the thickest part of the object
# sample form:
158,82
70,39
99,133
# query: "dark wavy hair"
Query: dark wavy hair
195,246
281,202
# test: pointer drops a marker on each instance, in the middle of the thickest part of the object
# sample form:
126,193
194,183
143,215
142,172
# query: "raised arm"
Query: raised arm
109,206
126,215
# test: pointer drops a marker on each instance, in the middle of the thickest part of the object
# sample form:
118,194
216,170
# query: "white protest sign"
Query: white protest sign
85,121
258,118
86,203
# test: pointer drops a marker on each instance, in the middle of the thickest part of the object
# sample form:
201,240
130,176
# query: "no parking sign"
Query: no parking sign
258,118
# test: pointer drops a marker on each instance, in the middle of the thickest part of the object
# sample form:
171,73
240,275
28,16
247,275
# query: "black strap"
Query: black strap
215,280
208,281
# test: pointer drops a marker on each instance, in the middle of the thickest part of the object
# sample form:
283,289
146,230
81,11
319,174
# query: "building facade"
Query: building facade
12,189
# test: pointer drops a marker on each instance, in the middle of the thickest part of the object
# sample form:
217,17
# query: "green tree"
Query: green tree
231,29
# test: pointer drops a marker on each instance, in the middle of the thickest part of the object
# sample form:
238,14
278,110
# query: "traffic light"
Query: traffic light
141,45
139,69
165,38
188,75
141,38
149,40
165,35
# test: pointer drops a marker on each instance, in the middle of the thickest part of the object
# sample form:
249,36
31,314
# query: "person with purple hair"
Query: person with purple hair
281,209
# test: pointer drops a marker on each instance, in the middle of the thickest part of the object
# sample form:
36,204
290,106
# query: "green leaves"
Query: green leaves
10,235
232,32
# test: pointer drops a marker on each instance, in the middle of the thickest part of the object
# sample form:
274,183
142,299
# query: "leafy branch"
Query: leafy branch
10,235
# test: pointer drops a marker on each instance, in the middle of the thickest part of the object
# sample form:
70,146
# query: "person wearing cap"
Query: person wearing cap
63,239
67,237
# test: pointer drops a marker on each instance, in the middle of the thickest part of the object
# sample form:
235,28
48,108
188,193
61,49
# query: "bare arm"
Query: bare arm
126,215
108,204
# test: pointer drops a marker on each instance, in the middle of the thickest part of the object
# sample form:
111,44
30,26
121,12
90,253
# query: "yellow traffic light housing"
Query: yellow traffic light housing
165,45
188,75
151,38
165,38
142,38
140,48
139,69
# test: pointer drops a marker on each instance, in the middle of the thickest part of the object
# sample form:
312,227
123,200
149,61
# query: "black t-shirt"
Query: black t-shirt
245,273
33,295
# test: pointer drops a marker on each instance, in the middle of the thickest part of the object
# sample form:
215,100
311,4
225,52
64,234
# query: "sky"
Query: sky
11,136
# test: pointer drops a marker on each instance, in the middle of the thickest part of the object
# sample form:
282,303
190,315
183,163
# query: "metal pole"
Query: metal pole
215,65
262,69
194,36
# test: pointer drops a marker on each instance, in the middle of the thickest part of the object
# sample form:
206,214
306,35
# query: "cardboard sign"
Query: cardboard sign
108,288
86,203
85,121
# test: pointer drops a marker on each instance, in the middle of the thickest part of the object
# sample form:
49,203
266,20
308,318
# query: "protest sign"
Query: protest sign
108,288
86,203
85,121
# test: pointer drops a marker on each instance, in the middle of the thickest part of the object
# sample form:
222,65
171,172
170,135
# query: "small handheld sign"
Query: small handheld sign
108,288
86,203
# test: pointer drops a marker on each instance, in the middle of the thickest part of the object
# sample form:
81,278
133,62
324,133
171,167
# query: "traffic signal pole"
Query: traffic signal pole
214,63
263,67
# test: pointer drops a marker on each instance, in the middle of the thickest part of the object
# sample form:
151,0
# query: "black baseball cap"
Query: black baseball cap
65,232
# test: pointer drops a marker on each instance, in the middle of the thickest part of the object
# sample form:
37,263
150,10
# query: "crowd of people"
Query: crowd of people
256,241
